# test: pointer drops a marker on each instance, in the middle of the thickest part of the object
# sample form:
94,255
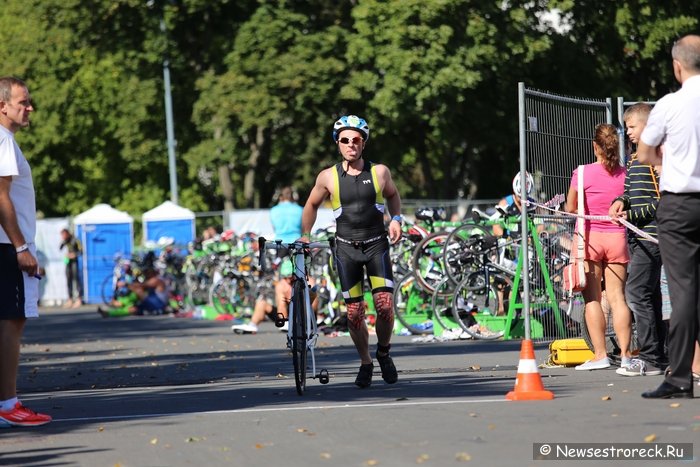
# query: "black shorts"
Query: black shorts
352,260
19,293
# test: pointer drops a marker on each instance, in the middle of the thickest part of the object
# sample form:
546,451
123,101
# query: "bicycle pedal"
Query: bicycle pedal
323,377
280,320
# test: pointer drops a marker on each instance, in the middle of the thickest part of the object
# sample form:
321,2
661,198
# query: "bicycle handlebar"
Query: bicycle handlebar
293,247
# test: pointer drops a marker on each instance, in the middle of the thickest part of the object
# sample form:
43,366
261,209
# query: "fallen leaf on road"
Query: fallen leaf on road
325,455
650,438
475,367
422,458
154,441
675,405
606,398
463,457
371,462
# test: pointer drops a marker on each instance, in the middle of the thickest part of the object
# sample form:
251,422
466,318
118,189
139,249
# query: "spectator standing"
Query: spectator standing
643,287
73,251
606,252
286,217
19,285
675,122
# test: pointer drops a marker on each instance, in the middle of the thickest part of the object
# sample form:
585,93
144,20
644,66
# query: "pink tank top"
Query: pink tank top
600,188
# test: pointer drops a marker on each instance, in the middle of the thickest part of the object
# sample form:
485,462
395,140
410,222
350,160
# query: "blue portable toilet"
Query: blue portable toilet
168,221
105,234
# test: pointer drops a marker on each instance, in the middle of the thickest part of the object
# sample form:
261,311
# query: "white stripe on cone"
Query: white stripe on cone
527,366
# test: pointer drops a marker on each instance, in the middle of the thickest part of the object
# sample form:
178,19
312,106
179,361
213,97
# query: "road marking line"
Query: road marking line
279,409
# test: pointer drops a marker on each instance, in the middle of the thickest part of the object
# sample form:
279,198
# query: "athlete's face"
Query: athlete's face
351,144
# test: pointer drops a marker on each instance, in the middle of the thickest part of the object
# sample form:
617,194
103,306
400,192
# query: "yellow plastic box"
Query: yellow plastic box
569,351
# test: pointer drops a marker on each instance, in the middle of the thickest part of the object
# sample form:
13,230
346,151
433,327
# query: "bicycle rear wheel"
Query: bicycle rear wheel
441,303
477,301
427,261
108,292
412,305
464,250
299,347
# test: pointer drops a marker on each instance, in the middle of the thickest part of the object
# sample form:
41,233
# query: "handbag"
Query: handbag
574,272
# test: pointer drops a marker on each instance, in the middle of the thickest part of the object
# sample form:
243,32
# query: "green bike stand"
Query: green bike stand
550,301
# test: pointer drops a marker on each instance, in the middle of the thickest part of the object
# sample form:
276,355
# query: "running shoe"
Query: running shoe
22,416
389,373
247,328
364,376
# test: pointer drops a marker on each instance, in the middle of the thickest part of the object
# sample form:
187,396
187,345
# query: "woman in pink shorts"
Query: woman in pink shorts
606,246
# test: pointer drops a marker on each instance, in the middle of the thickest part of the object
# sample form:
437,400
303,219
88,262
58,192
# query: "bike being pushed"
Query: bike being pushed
302,332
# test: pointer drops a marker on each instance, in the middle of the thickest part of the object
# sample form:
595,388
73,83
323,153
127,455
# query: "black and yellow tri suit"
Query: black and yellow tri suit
358,207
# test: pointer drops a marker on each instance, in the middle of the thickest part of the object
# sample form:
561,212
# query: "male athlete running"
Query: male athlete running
358,189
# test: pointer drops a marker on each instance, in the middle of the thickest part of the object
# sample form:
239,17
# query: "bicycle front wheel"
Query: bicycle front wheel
299,347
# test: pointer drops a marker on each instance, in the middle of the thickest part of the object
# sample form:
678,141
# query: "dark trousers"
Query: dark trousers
643,295
73,278
678,218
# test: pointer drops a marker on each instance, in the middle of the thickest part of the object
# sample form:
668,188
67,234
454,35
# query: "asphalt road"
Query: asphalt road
164,391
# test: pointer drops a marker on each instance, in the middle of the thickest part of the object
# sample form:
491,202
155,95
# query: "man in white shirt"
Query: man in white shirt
19,283
675,123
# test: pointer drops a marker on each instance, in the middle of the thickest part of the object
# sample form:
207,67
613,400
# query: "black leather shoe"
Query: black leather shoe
669,391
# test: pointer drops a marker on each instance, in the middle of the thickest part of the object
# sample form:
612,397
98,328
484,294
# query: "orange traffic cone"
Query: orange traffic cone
528,384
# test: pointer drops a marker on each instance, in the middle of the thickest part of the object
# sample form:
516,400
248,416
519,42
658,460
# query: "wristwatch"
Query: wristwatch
398,218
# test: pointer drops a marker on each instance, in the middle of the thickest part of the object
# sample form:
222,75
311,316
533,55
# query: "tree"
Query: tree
280,81
435,76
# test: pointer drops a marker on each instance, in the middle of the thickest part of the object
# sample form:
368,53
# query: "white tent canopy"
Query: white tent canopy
168,211
102,214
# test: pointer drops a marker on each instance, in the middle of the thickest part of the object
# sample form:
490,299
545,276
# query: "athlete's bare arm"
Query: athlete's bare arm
393,200
318,194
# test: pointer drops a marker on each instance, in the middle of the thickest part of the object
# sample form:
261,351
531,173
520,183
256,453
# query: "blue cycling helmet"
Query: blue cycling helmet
351,122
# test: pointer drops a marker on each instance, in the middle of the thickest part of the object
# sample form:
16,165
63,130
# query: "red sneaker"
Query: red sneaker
22,416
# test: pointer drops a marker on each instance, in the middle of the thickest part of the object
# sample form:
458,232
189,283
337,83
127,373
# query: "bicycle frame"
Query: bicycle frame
299,251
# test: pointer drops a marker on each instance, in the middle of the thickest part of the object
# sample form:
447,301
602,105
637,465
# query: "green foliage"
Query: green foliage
257,84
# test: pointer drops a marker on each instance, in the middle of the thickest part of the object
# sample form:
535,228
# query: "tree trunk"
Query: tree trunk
224,177
257,151
226,186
